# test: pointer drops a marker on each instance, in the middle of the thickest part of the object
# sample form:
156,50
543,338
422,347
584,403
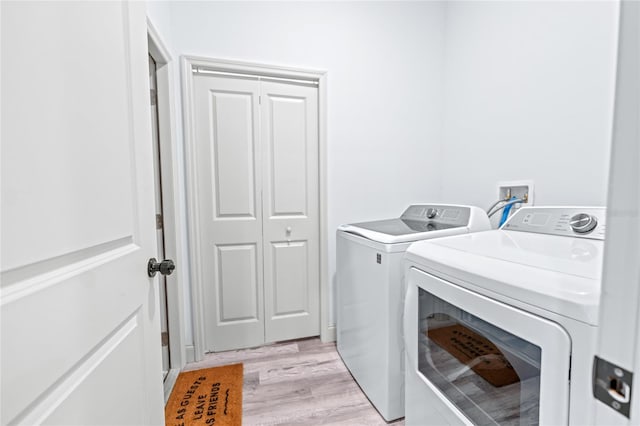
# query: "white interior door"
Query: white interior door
229,210
79,316
289,136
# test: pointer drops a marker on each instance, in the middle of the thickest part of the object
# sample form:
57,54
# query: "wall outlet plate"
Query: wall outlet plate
518,189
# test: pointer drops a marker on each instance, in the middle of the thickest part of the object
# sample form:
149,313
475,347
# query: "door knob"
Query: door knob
288,229
165,267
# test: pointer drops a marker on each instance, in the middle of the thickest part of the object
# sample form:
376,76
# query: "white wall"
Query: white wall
529,95
384,63
159,13
432,101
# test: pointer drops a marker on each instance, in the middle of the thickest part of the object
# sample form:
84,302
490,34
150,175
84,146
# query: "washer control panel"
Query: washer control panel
585,222
451,215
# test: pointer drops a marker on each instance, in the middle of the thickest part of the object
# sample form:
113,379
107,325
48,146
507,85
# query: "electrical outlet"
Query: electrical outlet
522,189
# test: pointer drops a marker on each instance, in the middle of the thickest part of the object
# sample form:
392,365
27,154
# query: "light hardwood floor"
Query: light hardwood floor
297,382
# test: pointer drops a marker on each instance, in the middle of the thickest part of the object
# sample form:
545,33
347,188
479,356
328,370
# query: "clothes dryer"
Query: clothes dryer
501,326
370,291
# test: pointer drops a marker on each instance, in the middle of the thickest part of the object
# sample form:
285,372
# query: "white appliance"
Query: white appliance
370,293
501,326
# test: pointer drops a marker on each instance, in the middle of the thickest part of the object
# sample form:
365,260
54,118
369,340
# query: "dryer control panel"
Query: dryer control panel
584,222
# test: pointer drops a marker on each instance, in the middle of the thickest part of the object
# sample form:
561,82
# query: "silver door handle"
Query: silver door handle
165,267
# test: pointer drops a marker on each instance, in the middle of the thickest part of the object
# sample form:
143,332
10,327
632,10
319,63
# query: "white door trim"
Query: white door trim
327,331
172,216
619,326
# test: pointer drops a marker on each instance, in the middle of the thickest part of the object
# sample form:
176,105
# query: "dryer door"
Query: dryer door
489,361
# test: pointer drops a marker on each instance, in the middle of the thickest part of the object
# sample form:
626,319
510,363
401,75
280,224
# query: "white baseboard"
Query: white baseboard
328,334
190,354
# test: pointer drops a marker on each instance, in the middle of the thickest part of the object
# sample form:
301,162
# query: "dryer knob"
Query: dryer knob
583,223
431,213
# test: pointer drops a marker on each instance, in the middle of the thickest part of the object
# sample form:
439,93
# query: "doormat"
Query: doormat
478,353
206,397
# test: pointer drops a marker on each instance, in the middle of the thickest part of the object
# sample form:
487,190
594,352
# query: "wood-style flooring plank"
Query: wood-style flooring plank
301,382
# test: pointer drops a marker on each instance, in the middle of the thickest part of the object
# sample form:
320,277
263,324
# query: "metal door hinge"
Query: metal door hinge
154,96
612,385
165,338
159,221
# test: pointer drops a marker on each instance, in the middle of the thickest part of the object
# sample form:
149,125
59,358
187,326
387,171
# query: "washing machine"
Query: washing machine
369,282
501,326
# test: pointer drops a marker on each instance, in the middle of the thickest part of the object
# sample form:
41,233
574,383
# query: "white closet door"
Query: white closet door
289,136
229,210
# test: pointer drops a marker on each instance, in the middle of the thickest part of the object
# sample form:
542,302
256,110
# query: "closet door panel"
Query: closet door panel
228,162
288,125
233,155
238,290
290,266
289,135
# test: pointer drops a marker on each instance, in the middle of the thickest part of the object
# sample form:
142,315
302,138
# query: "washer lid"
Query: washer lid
558,274
392,231
419,222
399,227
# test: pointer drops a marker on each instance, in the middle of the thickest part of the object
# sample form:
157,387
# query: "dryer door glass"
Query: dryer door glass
491,375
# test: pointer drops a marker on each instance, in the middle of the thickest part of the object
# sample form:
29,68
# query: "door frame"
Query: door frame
172,216
619,326
188,64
